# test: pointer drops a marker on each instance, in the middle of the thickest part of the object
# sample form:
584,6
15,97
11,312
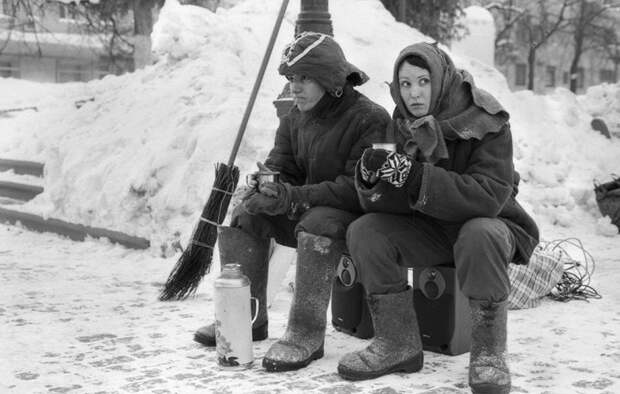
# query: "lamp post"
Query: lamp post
313,16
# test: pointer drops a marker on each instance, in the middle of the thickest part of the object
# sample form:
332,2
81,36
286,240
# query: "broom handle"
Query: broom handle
259,79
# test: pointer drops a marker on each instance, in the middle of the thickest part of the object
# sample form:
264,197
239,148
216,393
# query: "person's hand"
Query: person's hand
395,169
273,199
370,163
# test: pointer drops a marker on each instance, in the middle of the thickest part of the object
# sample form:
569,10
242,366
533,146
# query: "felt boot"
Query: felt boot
488,371
303,340
396,346
237,246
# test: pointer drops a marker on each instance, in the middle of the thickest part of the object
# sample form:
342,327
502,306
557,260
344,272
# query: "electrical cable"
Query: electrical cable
575,281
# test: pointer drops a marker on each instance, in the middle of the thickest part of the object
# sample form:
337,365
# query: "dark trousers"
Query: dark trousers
480,249
324,221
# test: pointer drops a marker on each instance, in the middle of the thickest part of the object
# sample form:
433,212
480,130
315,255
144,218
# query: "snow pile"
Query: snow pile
140,157
603,101
479,40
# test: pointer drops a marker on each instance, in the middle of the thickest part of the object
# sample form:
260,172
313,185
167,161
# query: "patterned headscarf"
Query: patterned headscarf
458,109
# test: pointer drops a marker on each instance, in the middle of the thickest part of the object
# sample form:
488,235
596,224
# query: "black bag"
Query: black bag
608,199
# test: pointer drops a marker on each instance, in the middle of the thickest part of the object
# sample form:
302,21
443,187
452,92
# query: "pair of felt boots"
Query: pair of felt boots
396,346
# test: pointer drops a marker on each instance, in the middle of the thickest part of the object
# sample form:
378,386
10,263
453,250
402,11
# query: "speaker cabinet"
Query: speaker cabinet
443,311
349,307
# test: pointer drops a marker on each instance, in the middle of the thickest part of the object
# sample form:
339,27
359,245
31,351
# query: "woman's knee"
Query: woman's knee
481,255
326,221
482,234
362,231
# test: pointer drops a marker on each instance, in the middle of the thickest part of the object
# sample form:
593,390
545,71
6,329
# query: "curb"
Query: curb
22,167
76,232
19,191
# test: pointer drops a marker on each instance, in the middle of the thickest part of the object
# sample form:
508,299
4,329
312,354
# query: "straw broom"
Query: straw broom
195,261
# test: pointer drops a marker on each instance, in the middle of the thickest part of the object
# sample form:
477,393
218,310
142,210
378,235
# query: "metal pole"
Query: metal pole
314,16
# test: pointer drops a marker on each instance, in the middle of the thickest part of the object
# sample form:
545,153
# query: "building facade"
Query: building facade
553,58
51,44
552,67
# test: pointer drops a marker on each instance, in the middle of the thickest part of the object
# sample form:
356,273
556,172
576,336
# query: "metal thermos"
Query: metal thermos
233,318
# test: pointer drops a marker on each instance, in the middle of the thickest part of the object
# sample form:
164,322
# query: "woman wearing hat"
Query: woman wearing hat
316,148
447,195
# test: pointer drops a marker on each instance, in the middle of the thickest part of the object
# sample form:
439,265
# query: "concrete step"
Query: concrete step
22,167
74,231
19,191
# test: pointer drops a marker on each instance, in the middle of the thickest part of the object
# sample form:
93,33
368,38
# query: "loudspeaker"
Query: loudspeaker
349,306
442,309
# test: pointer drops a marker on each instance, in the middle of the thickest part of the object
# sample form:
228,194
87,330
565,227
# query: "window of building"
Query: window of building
550,76
9,69
520,72
67,71
67,11
607,75
565,79
580,77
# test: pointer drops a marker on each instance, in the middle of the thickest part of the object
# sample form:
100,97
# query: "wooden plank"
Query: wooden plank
74,231
19,191
23,167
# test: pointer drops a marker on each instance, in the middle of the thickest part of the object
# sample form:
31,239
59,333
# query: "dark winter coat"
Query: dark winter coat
317,150
472,175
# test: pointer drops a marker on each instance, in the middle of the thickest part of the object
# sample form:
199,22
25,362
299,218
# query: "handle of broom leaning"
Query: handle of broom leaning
259,79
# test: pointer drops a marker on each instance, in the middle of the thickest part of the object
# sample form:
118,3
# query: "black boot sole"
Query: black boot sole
259,333
414,364
486,388
280,366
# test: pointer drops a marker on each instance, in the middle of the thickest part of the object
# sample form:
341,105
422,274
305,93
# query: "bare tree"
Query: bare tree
539,28
590,25
108,20
508,14
535,25
23,18
438,19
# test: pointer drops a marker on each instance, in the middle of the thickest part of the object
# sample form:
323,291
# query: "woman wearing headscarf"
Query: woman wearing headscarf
316,148
447,195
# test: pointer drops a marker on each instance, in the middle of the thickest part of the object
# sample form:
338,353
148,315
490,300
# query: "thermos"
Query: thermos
233,318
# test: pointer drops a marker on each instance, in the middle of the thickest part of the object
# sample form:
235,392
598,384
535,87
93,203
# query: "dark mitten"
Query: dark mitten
370,162
278,199
274,199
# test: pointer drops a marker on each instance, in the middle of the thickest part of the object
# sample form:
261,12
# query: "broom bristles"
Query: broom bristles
195,261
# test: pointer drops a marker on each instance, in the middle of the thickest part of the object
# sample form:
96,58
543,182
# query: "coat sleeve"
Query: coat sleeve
340,193
481,190
282,156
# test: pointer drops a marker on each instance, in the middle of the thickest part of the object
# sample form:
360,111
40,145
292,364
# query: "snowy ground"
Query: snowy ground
83,317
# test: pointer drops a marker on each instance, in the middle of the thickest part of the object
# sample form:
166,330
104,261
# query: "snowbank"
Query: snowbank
140,157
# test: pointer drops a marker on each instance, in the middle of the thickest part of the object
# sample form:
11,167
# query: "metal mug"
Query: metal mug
262,177
389,146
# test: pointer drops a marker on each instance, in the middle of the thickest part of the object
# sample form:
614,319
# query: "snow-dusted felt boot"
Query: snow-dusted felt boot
488,371
302,342
396,346
237,246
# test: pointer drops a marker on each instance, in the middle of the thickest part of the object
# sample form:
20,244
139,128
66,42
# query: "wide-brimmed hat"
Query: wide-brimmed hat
319,57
